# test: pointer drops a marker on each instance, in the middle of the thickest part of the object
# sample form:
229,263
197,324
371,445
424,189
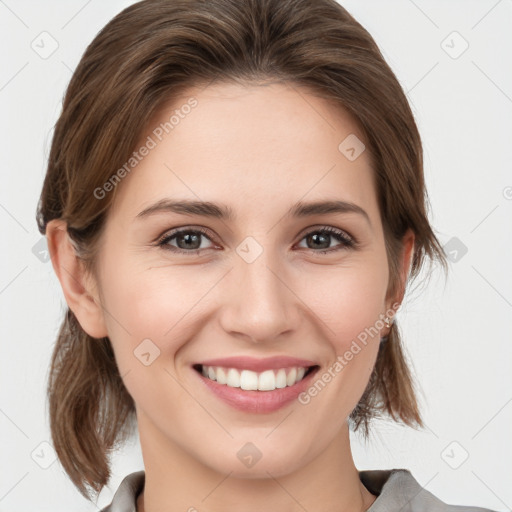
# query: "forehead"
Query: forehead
268,143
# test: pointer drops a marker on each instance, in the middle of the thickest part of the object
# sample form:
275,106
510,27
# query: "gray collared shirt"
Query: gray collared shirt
396,490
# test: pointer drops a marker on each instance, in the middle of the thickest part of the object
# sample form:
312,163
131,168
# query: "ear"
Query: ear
405,263
80,290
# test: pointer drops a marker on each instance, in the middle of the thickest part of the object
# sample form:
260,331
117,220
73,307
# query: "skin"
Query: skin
258,149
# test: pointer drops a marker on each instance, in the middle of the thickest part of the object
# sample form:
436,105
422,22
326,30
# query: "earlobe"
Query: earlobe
79,289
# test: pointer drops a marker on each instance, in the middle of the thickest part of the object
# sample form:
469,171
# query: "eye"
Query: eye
188,240
321,239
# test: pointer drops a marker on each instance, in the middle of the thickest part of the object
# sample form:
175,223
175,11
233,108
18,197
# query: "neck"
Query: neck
176,481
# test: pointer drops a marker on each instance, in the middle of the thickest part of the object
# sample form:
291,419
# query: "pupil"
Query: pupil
316,237
188,238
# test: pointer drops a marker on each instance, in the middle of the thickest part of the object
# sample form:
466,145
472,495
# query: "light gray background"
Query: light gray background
458,336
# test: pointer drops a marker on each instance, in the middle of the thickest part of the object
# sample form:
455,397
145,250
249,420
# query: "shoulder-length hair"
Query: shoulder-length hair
144,57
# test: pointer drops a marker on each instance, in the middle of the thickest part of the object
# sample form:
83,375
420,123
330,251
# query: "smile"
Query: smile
256,385
249,380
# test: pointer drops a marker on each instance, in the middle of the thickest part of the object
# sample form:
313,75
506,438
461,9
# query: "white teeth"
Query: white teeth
233,378
292,377
281,379
267,381
252,381
222,378
249,380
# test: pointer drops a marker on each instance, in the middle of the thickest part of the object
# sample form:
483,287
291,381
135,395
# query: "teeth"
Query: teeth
292,377
233,379
222,378
252,381
267,381
281,379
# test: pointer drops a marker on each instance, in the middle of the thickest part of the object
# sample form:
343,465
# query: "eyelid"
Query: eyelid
176,231
348,241
345,239
329,229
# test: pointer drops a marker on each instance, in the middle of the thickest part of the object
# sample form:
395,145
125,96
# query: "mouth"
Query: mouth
249,380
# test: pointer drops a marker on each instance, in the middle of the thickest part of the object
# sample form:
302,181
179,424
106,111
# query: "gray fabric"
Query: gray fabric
124,499
396,490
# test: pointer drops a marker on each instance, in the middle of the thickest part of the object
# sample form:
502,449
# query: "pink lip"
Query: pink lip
258,401
259,365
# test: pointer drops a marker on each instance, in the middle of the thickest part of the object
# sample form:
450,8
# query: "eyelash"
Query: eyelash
347,241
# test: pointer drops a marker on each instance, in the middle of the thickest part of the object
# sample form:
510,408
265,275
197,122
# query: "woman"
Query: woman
234,206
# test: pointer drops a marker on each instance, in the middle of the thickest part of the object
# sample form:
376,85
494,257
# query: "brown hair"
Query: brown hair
143,58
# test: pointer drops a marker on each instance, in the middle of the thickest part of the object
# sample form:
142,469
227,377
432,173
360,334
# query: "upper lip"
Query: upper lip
259,365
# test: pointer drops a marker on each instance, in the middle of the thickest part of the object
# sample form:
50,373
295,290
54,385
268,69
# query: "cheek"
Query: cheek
349,301
348,304
147,320
143,303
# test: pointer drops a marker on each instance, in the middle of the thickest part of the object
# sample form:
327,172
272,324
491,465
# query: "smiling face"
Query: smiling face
262,280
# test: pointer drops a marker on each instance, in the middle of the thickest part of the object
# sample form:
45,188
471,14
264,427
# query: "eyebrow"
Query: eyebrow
223,212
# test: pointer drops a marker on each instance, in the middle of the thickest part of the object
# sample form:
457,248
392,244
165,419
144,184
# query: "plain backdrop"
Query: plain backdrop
453,59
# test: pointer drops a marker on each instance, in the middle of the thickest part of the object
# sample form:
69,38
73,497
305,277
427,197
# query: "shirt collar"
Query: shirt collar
384,483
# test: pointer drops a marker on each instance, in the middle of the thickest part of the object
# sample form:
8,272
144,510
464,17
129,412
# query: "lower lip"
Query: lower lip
257,401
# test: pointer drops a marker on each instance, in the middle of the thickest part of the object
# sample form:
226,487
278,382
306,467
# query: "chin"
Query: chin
250,462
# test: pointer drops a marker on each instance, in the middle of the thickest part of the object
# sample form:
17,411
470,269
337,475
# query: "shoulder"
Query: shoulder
397,489
125,498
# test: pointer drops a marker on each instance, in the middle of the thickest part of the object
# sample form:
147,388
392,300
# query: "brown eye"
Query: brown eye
187,240
321,239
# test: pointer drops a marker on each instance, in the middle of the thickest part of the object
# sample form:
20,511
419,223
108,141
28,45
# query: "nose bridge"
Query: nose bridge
261,305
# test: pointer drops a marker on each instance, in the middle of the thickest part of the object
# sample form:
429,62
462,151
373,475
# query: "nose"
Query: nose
258,303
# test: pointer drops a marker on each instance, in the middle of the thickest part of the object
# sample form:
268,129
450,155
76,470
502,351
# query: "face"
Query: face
264,287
